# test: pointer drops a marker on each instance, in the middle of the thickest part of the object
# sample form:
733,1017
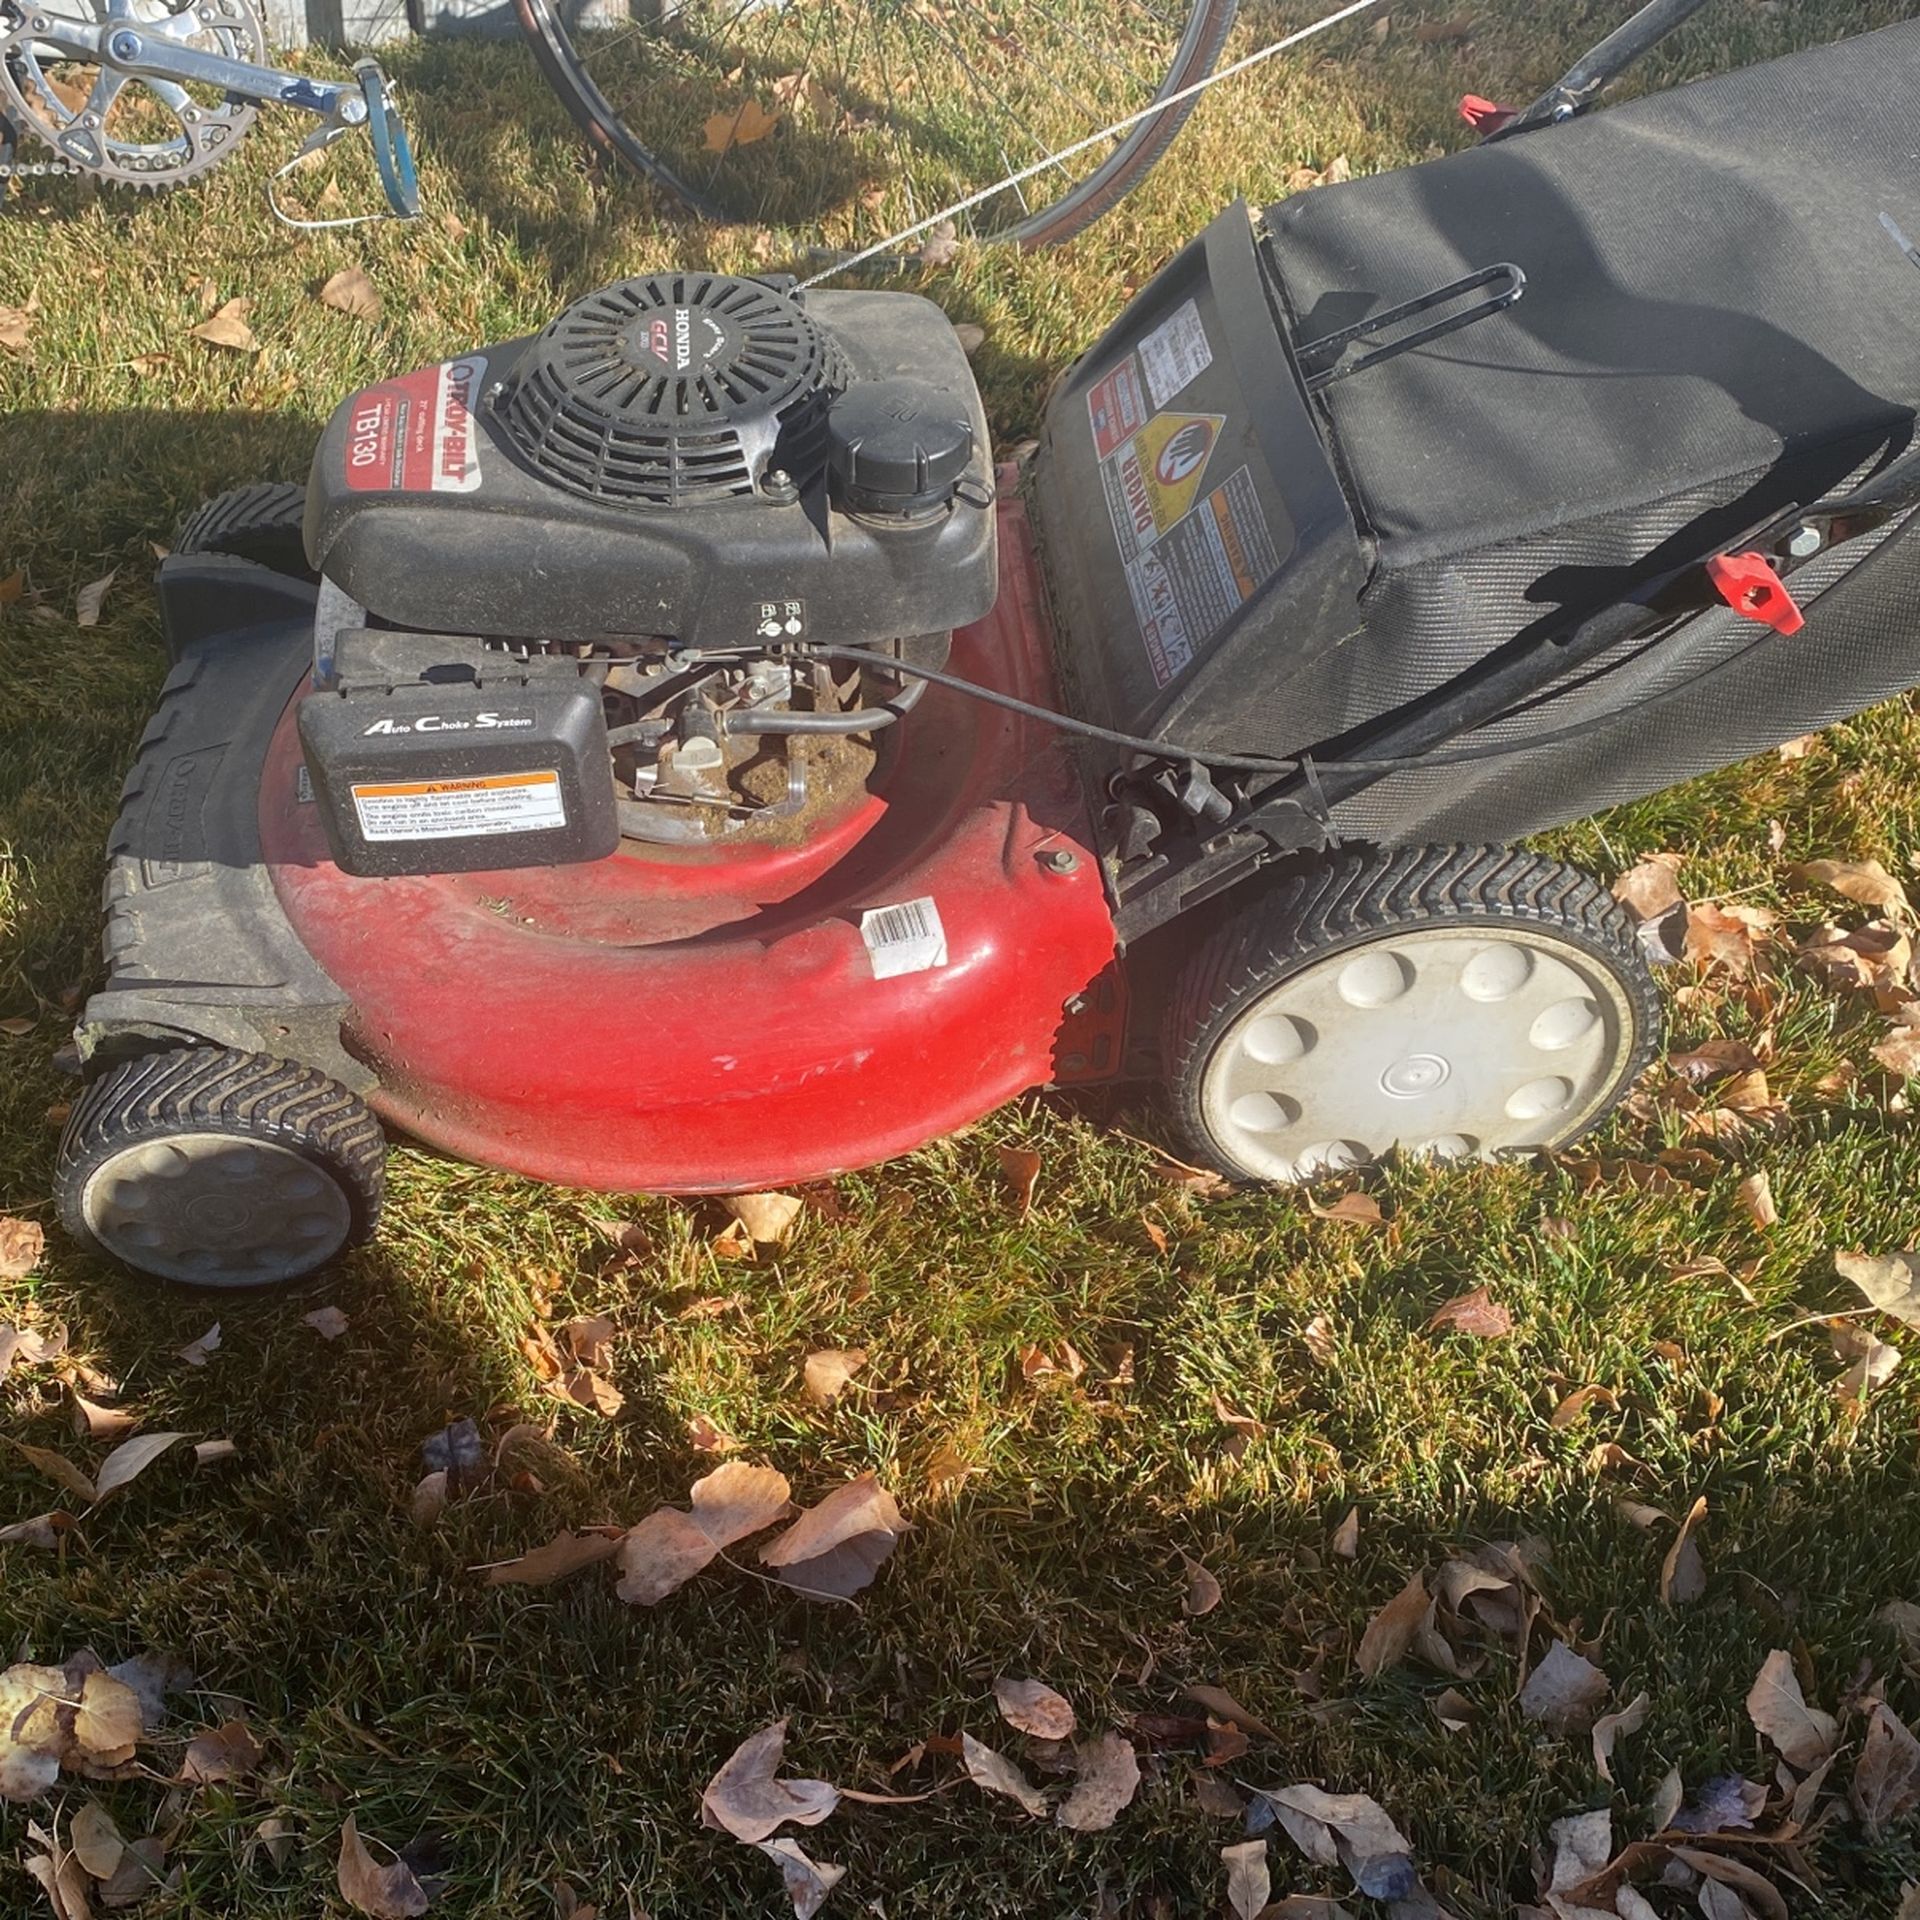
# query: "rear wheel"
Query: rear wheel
220,1168
1457,1003
860,117
261,523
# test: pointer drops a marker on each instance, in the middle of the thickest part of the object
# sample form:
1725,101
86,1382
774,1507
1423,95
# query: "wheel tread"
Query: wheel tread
225,1090
1314,908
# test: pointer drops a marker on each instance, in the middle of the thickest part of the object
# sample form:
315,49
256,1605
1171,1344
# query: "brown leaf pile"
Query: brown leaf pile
832,1550
1491,1598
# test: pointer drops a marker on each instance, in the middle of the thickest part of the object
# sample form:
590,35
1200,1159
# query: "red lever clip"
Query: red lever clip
1749,585
1486,116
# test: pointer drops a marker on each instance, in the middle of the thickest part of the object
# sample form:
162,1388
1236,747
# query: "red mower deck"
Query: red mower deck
684,1021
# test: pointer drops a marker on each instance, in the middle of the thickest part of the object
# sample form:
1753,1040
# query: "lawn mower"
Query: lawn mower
665,753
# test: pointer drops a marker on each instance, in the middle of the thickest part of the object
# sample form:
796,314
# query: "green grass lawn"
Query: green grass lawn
540,1735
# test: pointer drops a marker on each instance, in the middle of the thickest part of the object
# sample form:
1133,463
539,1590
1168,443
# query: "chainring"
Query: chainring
133,132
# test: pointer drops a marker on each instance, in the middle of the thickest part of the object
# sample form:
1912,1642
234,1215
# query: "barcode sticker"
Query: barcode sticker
904,939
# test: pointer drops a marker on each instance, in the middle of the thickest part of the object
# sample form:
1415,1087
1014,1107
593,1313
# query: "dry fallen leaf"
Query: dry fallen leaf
30,1347
228,328
91,598
668,1547
1032,1707
131,1459
1477,1314
1755,1195
765,1218
1866,881
1651,890
1890,1281
42,1530
948,1470
1872,1361
1362,1209
429,1499
836,1547
971,337
1886,1777
209,1453
96,1841
1564,1691
1108,1777
941,245
59,1469
747,1799
1317,1336
386,1893
1202,1594
350,291
998,1774
1351,1830
566,1553
1778,1709
197,1352
16,327
828,1370
1727,937
1391,1631
108,1722
22,1244
1610,1727
1249,1880
328,1322
1345,1544
808,1882
1021,1167
91,1421
746,124
229,1752
1683,1575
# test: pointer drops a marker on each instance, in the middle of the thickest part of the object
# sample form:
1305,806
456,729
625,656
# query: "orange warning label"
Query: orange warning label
460,809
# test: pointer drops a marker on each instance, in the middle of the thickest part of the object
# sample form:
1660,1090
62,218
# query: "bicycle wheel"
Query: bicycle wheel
860,117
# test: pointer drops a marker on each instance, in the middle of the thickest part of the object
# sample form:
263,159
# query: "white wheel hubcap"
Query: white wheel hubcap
1454,1043
216,1210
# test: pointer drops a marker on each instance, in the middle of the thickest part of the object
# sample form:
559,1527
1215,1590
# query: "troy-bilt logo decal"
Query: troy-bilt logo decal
416,435
441,723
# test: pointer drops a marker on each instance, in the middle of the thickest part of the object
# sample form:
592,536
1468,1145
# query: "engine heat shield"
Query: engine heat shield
584,484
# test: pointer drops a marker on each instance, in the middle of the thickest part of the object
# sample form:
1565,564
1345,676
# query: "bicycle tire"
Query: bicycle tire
1198,50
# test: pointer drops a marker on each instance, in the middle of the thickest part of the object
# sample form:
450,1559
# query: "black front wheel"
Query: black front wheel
218,1168
261,523
1453,1002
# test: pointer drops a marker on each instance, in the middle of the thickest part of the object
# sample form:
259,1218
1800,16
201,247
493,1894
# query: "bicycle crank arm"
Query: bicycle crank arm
143,56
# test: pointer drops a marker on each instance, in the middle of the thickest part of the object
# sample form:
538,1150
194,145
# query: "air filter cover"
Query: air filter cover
675,390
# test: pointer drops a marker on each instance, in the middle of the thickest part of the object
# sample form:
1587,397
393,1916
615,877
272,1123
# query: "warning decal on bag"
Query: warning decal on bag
1176,352
416,435
1116,408
1189,584
460,809
904,939
1151,483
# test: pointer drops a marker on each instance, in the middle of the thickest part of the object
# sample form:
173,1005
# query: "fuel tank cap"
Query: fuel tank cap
897,447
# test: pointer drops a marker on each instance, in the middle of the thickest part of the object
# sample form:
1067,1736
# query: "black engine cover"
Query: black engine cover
654,463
